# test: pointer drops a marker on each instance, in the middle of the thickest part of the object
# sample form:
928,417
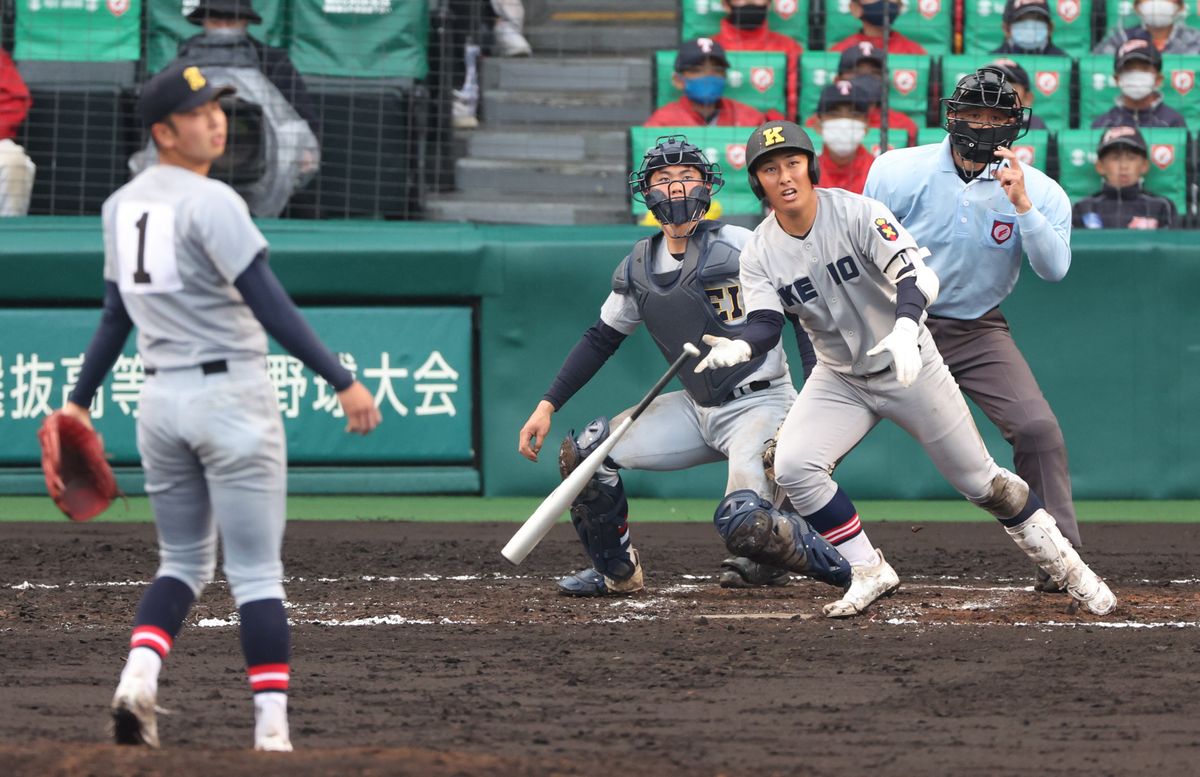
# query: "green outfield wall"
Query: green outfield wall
1116,346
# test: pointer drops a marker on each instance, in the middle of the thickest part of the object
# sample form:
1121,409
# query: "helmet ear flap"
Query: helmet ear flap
814,169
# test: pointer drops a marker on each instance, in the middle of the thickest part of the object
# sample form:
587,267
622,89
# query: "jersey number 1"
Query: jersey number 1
140,275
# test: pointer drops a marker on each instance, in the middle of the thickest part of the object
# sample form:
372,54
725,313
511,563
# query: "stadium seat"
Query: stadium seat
1050,80
756,78
1119,13
366,45
928,22
1169,164
166,27
983,34
91,32
366,172
702,18
909,90
1098,88
1036,148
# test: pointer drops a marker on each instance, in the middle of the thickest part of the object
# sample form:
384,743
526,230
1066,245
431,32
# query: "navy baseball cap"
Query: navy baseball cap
1127,137
178,89
224,9
693,53
849,93
857,53
1013,72
1016,9
1138,49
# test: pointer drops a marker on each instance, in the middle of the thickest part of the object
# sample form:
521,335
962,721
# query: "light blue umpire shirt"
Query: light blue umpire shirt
974,234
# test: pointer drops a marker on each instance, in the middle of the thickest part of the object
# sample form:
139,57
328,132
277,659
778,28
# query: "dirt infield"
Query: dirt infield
417,650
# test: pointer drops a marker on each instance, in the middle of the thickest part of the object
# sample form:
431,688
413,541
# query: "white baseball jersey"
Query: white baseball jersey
833,278
174,242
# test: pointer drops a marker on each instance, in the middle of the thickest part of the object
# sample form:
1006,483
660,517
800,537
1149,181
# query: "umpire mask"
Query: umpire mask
977,141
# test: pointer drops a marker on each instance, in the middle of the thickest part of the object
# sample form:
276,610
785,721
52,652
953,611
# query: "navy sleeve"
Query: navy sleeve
808,354
910,302
277,313
598,343
106,346
762,331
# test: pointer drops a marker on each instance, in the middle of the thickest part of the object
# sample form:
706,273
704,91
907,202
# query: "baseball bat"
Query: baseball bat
538,525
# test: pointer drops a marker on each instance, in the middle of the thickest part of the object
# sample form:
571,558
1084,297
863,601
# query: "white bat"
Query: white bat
538,525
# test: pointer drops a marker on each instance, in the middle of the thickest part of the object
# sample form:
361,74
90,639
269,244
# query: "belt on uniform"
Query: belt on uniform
749,388
208,368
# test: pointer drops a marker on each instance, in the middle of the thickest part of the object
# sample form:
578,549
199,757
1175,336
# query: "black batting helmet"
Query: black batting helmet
779,136
671,150
987,87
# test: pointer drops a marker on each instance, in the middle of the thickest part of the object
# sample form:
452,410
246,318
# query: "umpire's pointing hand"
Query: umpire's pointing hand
359,406
724,353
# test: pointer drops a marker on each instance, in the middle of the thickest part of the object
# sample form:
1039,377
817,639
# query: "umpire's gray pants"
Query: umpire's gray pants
215,458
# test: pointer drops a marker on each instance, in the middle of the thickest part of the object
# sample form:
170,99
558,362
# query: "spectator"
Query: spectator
1019,78
1162,23
700,68
842,124
1122,203
872,16
508,32
16,168
226,24
1027,27
863,64
1138,68
744,28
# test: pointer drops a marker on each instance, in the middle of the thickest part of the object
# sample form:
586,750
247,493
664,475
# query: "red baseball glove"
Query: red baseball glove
77,474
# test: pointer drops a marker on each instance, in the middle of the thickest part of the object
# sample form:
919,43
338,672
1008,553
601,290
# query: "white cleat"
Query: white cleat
867,583
509,42
271,723
274,744
1041,540
134,718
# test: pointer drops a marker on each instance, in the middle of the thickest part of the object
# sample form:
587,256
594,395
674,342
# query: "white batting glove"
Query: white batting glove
902,345
724,353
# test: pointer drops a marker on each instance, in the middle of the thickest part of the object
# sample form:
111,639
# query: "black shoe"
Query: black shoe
741,572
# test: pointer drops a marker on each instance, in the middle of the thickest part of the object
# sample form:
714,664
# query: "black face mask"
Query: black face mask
872,13
748,17
679,211
980,144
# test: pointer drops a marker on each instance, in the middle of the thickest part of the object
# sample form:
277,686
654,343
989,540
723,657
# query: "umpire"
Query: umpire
977,209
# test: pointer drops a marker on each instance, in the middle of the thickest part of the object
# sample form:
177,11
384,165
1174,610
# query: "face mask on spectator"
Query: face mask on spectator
1159,13
1032,34
843,136
748,17
1136,84
872,13
704,90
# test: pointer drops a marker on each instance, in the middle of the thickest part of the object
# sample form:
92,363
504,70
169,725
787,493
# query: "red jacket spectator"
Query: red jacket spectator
763,39
14,97
730,113
851,176
897,43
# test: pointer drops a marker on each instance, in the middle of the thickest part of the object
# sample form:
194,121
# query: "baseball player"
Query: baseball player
184,263
857,281
976,208
682,284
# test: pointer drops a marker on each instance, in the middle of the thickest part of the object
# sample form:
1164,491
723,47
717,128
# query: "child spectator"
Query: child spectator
744,28
842,124
863,64
1122,203
1162,23
1138,68
700,68
871,14
16,168
1027,27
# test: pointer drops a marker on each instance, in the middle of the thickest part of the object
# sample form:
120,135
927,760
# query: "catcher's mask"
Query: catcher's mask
987,87
679,208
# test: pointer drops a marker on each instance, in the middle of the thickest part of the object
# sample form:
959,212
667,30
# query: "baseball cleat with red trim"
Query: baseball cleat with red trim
867,583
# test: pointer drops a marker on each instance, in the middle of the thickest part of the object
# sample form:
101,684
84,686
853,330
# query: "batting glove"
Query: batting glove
902,345
724,353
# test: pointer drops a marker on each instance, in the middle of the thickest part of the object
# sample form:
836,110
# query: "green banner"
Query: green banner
756,78
360,38
78,30
702,18
417,361
167,27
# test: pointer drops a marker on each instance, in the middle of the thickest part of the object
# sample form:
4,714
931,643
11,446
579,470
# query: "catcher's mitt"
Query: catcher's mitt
77,475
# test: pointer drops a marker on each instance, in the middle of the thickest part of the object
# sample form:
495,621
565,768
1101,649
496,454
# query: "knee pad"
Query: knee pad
1007,496
753,528
575,449
600,516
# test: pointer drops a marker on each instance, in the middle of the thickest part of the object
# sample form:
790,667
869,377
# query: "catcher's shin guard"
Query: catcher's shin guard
600,513
751,527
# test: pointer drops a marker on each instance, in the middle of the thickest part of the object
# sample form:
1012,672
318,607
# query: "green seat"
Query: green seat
757,78
387,44
702,19
1032,149
983,34
84,32
166,28
1050,82
1098,88
909,89
928,22
1120,14
1168,163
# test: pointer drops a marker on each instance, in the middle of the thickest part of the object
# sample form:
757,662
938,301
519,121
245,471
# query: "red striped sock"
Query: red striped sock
268,677
151,637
